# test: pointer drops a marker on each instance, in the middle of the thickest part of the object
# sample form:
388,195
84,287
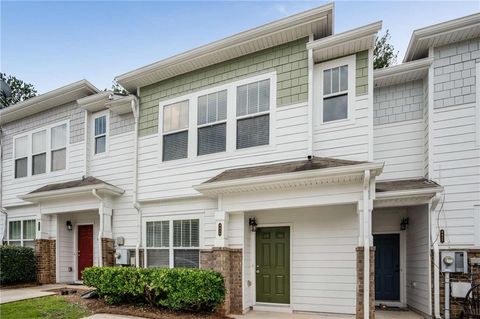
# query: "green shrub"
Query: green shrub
176,289
17,264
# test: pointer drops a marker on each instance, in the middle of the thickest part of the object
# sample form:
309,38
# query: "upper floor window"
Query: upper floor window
212,123
21,233
100,134
335,93
175,131
41,151
253,118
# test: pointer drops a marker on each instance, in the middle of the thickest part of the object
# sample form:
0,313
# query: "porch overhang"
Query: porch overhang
345,43
84,186
405,193
348,173
402,73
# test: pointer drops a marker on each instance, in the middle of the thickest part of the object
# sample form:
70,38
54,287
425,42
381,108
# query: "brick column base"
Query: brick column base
45,252
228,262
473,277
360,286
108,252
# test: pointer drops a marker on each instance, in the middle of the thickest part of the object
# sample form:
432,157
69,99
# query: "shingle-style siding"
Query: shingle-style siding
396,103
361,75
455,73
121,123
69,111
288,60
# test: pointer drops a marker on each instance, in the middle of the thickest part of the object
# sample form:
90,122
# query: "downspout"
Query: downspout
100,230
366,245
136,204
436,258
3,212
310,102
85,147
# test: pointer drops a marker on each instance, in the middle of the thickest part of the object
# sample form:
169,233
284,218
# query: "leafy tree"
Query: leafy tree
384,53
117,88
20,91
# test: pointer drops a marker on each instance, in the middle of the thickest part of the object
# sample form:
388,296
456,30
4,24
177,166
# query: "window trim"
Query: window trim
48,170
171,248
211,124
350,61
231,121
21,220
162,133
45,151
96,115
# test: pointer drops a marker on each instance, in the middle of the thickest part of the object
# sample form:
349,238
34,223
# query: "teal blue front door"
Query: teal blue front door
387,267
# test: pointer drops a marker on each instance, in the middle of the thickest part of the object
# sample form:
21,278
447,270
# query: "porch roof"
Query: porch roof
79,186
407,192
303,172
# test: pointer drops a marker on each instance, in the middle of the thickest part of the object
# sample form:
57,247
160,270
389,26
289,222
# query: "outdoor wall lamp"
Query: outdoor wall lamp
69,225
404,223
252,222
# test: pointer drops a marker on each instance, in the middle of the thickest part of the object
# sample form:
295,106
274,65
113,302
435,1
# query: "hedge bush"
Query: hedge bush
176,289
17,264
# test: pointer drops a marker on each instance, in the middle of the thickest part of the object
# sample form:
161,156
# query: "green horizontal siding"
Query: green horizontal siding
288,60
361,76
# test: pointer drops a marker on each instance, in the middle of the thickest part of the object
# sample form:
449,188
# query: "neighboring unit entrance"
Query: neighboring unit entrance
387,267
273,264
85,248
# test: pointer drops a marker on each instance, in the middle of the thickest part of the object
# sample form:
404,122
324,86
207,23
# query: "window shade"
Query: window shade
39,163
21,167
335,108
175,116
59,159
158,258
14,229
175,146
39,142
21,147
212,139
59,136
29,229
188,258
100,125
253,131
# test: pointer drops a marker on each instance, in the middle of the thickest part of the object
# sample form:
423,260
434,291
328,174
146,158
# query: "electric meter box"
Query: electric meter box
454,261
122,256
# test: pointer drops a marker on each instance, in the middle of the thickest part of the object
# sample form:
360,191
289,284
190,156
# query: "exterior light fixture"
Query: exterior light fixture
404,223
69,225
252,222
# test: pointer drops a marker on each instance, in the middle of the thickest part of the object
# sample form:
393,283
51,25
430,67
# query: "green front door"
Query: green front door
273,264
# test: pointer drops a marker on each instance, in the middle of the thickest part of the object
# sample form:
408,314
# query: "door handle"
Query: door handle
78,254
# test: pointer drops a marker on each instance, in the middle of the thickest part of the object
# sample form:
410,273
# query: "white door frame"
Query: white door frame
402,303
75,249
271,306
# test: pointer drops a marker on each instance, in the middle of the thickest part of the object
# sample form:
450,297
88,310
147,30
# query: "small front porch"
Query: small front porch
379,314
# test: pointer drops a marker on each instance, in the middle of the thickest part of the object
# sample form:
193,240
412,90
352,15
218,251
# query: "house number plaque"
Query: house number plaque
219,229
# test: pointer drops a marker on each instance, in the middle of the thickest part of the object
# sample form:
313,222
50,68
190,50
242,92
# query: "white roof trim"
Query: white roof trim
241,184
65,94
345,43
408,71
464,26
94,103
102,188
211,53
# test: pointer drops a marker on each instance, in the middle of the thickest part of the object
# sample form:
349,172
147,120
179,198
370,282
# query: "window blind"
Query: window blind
212,139
253,131
175,146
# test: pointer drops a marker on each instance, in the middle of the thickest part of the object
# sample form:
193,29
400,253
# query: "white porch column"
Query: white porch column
221,229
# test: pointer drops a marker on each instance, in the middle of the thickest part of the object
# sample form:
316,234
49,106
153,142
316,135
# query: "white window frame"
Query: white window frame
96,115
48,169
231,147
199,126
45,151
15,157
21,220
187,129
171,248
350,61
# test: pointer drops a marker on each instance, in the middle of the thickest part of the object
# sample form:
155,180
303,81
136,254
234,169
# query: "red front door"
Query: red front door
85,248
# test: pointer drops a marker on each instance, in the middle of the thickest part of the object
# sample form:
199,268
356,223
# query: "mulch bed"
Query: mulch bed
99,306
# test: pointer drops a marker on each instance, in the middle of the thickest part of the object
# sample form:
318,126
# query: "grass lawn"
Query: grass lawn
54,307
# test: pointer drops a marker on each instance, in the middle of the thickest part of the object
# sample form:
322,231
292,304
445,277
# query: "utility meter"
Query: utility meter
122,256
454,261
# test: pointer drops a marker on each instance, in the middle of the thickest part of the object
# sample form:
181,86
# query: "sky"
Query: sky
51,44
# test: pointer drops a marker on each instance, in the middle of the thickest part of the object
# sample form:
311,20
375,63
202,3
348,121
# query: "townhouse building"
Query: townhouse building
277,156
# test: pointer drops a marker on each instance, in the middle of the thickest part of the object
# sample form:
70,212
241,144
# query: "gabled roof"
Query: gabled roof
444,33
79,186
43,102
318,21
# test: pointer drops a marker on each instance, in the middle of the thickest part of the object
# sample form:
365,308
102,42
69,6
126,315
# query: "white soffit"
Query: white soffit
317,21
65,94
345,43
405,72
96,102
444,33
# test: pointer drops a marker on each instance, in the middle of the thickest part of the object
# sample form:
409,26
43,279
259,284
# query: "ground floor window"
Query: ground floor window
173,243
21,233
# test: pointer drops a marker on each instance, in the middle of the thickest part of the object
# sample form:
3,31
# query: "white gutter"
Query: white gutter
110,189
100,230
366,245
135,110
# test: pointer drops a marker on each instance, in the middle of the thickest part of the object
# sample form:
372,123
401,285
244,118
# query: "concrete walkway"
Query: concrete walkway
379,314
17,294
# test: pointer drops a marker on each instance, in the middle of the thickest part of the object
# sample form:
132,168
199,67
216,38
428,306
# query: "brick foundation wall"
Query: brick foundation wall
473,276
45,251
108,252
228,262
360,286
